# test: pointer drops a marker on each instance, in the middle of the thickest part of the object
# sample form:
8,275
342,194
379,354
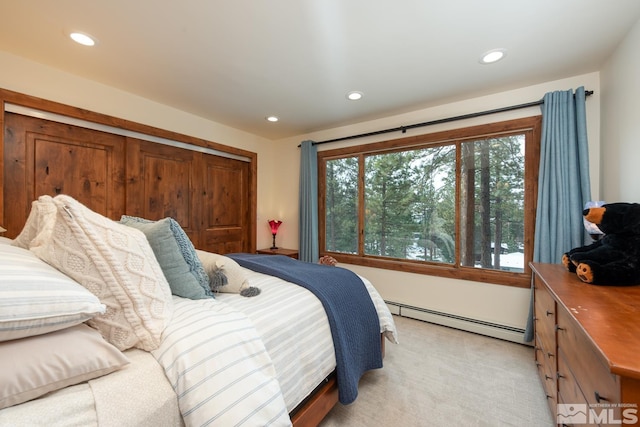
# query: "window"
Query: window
458,204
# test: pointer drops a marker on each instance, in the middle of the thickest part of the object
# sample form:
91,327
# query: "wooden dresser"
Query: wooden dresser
587,347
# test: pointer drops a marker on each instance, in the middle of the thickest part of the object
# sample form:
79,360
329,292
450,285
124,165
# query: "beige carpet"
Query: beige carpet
438,376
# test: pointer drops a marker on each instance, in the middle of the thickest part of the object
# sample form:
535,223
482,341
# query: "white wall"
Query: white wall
278,170
503,305
621,121
28,77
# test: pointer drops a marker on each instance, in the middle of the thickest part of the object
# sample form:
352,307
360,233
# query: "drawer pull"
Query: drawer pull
550,355
558,328
599,398
547,377
549,313
559,375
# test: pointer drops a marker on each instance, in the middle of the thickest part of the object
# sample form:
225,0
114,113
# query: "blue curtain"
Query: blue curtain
308,235
563,181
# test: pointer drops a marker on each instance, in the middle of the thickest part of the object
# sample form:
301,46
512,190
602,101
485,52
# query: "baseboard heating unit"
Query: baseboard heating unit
494,330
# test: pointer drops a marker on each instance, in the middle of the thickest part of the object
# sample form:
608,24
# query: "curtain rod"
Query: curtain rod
403,129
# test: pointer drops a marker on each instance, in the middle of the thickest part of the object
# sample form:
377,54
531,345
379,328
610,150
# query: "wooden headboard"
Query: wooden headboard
118,167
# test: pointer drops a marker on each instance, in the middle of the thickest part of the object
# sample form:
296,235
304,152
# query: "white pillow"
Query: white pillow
34,366
236,277
35,298
40,219
115,263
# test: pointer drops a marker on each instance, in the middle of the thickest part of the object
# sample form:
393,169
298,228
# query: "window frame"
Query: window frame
529,126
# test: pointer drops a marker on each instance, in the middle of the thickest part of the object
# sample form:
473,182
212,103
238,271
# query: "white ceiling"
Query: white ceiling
237,61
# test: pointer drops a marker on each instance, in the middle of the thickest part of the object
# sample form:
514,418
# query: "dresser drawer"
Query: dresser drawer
549,387
581,360
568,388
545,317
546,368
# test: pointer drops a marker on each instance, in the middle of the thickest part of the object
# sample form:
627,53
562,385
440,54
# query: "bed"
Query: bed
124,334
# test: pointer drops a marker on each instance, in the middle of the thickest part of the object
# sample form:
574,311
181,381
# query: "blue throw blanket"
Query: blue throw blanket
353,318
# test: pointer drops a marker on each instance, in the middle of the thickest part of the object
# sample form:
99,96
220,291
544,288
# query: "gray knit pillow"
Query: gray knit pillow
176,255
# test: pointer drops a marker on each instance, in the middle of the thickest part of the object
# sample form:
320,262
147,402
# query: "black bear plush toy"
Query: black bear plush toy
614,259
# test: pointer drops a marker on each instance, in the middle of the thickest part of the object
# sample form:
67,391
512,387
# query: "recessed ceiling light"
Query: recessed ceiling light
272,119
354,95
83,39
492,56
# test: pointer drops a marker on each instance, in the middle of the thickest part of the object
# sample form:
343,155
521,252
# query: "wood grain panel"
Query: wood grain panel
47,158
70,168
226,210
161,181
17,190
208,195
584,362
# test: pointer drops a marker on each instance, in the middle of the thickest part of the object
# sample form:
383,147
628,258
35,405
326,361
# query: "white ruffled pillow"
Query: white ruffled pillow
115,263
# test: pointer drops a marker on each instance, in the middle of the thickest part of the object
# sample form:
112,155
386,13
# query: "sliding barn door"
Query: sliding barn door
226,211
47,158
212,197
208,195
162,181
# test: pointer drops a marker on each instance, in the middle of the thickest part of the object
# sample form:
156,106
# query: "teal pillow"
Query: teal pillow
176,255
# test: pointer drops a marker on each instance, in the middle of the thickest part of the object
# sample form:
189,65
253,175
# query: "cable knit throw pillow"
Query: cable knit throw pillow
226,275
41,218
175,254
115,263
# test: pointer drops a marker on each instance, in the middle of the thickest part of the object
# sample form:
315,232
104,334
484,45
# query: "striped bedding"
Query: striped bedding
286,351
219,368
230,361
295,332
35,298
303,355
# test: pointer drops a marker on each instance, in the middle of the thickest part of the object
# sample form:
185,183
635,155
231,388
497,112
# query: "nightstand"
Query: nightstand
292,253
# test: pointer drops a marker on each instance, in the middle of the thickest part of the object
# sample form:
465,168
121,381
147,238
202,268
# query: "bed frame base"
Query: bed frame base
322,400
318,406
